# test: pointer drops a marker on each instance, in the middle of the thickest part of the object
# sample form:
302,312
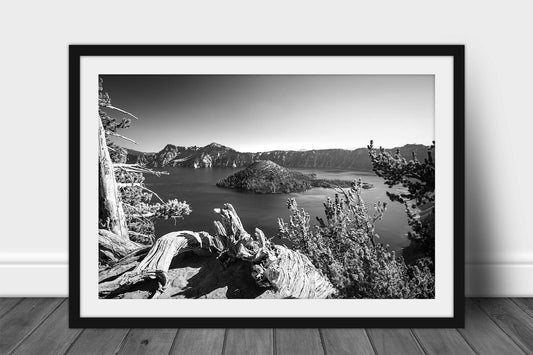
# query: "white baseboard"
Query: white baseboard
499,280
34,280
46,275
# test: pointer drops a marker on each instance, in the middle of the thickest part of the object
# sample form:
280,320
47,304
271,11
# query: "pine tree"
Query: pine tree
345,247
417,193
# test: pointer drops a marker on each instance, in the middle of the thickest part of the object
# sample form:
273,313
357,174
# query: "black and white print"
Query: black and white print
266,186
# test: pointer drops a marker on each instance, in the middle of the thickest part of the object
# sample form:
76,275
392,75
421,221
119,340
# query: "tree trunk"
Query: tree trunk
111,212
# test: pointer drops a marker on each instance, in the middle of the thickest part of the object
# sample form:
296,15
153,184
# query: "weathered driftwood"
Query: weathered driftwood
114,247
127,263
156,262
293,275
287,271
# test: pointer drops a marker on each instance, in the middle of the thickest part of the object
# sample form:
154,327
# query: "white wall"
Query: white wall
34,88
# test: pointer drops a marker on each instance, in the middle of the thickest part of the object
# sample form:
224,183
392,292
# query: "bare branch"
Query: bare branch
125,165
120,136
136,168
156,195
121,110
138,184
129,184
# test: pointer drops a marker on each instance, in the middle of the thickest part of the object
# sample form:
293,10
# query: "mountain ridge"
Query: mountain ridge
218,155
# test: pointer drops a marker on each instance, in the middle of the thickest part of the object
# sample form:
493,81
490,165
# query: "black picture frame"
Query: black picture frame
76,52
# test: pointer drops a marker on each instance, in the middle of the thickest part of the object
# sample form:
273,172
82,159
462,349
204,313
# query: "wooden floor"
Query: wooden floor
40,326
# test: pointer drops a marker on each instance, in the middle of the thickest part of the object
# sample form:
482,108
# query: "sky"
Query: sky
253,113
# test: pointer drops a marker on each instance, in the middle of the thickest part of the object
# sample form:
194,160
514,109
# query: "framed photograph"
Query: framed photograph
266,186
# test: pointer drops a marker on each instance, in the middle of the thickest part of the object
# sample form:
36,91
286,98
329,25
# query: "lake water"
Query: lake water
197,187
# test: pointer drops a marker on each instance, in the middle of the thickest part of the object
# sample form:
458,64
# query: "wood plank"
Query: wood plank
484,335
148,341
249,341
199,341
394,341
526,304
6,304
511,319
298,341
346,341
442,341
53,336
40,326
23,319
98,341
